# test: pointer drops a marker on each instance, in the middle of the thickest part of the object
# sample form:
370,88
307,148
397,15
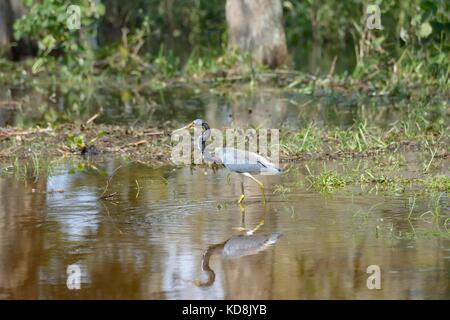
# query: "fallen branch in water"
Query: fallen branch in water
138,189
104,196
112,220
108,196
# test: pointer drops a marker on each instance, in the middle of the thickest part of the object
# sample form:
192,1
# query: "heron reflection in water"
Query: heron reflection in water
244,162
235,247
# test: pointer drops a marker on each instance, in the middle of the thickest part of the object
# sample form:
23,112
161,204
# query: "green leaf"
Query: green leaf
425,30
37,66
28,3
100,9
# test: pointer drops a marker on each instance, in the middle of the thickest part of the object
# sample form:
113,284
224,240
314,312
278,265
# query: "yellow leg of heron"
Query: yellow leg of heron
242,192
242,226
260,184
260,224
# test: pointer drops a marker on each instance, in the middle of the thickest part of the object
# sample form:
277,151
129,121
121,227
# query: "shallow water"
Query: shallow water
147,241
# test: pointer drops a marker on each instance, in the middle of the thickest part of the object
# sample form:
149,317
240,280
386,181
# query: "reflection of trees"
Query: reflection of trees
268,108
27,107
235,107
21,241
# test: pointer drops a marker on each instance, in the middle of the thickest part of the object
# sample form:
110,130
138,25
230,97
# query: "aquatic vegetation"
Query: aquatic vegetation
380,182
306,140
31,169
282,190
326,181
439,183
359,140
435,210
76,142
421,233
426,225
411,205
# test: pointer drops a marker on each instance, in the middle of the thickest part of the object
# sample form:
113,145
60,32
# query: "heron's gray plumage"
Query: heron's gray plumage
235,160
241,161
235,247
239,246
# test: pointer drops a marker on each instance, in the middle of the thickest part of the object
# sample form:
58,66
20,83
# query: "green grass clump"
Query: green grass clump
359,138
437,183
326,181
306,140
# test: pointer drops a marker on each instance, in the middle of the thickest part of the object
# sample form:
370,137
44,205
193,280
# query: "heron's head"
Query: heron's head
193,124
198,122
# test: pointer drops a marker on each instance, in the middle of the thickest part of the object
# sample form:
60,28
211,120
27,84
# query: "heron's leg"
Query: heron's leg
242,208
242,226
260,224
242,192
260,184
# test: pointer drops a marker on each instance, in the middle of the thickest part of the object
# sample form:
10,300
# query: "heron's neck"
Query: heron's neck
202,140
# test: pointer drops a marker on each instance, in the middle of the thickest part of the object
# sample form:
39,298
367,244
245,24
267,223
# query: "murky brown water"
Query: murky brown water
148,242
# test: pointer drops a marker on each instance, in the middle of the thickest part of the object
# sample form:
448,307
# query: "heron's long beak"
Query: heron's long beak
189,126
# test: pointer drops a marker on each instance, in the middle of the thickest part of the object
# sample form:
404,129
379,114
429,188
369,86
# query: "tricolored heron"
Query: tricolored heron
243,162
233,248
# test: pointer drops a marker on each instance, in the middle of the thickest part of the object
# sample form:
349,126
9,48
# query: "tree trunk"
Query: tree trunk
256,26
10,11
5,27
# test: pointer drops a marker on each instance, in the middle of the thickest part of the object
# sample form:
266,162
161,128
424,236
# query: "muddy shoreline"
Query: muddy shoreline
154,144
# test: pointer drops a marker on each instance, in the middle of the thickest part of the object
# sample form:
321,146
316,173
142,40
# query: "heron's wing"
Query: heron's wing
261,160
244,161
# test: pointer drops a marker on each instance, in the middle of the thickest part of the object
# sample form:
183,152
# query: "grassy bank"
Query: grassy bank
153,145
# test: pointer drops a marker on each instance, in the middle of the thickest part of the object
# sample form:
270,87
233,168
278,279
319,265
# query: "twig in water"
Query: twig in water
431,160
108,196
112,220
108,182
411,206
138,189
